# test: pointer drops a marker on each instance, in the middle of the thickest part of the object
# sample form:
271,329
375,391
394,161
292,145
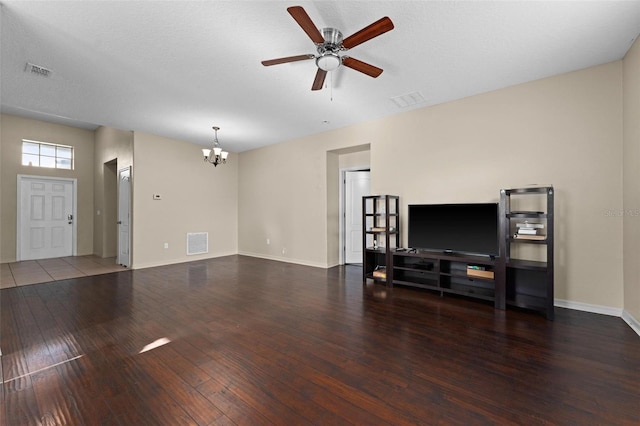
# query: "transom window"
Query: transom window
43,154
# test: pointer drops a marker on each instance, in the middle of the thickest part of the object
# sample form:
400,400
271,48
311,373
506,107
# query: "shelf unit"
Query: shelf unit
380,236
523,282
472,276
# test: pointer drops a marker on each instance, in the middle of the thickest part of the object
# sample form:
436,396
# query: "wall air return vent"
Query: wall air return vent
197,243
37,70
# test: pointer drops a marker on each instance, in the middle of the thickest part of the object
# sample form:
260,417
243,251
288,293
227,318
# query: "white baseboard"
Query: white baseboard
599,309
587,307
633,323
181,260
283,259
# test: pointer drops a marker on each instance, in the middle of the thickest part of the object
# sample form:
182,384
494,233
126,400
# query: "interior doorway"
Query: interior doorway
357,183
124,217
46,216
108,238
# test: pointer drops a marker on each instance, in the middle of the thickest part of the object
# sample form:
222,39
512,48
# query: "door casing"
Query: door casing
343,202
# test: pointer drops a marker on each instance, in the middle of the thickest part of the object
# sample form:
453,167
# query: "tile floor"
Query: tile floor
61,268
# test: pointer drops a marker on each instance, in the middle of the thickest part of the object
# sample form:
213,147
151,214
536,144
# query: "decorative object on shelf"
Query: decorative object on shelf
479,271
219,156
380,272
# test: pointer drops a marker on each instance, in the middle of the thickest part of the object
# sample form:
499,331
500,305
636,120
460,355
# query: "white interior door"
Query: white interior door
46,214
357,184
124,216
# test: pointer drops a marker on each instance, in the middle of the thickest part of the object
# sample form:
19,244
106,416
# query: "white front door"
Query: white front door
46,215
124,216
357,184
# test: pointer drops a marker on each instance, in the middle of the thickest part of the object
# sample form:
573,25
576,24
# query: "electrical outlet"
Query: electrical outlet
166,245
284,250
268,241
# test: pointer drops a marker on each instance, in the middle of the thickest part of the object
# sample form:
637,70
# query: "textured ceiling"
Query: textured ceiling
176,68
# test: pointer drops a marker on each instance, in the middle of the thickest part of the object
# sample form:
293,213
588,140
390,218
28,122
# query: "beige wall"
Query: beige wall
360,157
631,215
13,130
564,130
283,196
196,197
113,151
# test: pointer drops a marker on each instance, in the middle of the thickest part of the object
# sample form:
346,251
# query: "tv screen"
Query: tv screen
460,228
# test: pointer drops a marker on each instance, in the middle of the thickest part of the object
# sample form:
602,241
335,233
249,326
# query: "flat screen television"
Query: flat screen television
458,228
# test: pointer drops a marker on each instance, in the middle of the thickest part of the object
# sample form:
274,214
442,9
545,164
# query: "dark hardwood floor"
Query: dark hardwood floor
249,342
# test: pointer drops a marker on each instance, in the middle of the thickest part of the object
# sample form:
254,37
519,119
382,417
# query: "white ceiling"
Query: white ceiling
176,68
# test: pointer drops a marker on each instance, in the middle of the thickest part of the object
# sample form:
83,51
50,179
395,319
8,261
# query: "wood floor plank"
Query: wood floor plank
193,402
246,341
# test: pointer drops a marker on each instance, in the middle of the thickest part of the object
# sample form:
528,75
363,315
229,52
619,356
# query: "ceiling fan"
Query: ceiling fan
328,45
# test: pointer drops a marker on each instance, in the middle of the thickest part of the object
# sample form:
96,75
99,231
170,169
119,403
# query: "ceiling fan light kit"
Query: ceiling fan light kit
328,62
328,45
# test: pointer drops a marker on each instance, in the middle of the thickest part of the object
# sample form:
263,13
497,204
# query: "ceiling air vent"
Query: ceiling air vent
37,70
409,99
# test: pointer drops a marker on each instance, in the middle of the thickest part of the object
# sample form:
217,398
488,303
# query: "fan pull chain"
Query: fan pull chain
331,89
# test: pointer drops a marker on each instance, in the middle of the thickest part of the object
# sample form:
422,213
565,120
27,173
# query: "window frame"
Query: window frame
54,160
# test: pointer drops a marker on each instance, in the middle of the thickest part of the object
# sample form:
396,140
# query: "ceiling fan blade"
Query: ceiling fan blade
381,26
301,17
287,59
363,67
319,80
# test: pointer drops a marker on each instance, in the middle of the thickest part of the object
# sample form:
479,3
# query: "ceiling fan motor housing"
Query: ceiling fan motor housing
332,38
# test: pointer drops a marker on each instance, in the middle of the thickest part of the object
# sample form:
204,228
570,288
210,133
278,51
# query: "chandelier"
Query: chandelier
219,156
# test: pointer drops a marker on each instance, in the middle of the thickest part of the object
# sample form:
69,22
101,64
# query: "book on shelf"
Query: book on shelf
528,225
477,267
527,231
530,237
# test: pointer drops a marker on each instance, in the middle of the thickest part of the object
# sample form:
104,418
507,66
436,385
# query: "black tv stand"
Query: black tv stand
446,273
